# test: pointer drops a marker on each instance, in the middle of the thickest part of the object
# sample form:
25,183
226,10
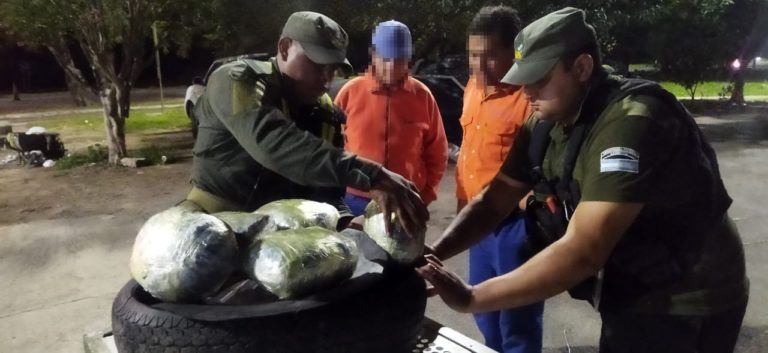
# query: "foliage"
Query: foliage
155,155
113,35
695,40
625,28
95,154
689,40
233,30
98,154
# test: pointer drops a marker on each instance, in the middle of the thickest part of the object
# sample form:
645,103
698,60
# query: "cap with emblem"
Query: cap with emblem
541,44
323,40
392,40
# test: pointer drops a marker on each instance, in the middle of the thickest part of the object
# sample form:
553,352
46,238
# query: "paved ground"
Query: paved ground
59,275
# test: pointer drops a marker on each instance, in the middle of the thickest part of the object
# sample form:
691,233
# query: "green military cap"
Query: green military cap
323,40
541,44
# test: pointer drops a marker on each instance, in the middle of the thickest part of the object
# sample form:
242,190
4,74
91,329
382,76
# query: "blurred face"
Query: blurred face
306,80
558,96
489,61
389,72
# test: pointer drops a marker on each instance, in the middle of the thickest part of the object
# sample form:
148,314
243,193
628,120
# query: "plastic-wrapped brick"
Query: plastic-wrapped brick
298,213
183,256
402,248
296,262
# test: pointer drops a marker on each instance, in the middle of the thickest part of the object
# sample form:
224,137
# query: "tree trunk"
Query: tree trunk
737,95
691,88
77,85
77,94
114,123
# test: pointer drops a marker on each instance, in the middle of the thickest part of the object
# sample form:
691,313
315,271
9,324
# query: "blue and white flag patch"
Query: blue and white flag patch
619,159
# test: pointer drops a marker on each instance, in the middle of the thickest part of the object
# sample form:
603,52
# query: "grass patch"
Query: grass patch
642,67
155,155
139,121
98,154
94,154
716,88
75,122
167,101
174,118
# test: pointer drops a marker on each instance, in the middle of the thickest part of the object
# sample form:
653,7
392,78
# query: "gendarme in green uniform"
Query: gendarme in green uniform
675,279
641,150
253,148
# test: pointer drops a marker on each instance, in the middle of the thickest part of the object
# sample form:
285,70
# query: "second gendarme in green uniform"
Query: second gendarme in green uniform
255,146
682,255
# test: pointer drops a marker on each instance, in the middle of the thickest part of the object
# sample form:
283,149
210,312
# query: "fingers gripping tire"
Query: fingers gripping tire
385,318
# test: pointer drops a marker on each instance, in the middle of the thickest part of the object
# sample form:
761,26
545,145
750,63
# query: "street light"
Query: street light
736,64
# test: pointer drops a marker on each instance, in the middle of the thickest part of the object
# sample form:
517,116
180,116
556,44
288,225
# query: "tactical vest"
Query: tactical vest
550,214
331,116
323,120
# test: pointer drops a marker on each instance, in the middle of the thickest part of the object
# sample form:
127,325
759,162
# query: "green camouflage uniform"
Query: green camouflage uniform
253,147
636,151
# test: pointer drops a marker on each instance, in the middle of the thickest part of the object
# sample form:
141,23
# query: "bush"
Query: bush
94,154
154,155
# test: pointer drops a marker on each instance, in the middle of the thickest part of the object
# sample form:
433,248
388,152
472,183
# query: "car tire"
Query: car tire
385,318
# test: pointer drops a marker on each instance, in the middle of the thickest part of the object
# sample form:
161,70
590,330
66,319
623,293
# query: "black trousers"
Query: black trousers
637,333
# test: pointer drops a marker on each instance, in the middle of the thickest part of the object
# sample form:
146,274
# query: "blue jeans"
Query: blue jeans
509,331
356,204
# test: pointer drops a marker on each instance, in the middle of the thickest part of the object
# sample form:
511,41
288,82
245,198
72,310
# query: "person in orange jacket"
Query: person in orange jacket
493,115
392,118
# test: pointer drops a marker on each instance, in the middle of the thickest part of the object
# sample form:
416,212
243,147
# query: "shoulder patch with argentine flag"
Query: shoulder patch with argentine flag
619,159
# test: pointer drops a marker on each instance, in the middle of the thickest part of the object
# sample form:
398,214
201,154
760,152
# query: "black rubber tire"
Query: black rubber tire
386,318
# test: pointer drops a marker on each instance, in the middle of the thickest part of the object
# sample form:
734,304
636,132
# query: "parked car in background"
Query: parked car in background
445,79
455,65
449,95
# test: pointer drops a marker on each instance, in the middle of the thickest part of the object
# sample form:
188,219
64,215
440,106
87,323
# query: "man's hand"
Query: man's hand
454,292
395,194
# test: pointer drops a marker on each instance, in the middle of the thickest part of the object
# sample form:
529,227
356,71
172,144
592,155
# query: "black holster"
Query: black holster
544,228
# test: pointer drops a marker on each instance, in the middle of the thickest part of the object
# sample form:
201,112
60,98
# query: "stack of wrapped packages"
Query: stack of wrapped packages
288,248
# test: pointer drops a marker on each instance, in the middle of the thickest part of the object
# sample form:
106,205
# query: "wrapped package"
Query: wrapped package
296,262
182,256
402,248
298,213
246,226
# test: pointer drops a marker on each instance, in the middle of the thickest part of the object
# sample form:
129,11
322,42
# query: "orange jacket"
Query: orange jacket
490,125
400,128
